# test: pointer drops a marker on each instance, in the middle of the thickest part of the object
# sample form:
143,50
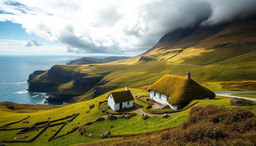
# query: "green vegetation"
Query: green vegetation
209,125
226,54
91,60
134,125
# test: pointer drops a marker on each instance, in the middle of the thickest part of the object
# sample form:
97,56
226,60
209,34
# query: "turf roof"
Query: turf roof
122,96
180,89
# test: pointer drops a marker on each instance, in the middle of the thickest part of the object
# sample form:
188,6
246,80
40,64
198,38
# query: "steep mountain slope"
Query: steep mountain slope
209,44
213,53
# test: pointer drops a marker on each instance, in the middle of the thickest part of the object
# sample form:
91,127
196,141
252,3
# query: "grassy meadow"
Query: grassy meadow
134,125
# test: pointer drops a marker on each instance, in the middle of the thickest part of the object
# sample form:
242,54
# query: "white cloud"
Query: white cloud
17,47
116,25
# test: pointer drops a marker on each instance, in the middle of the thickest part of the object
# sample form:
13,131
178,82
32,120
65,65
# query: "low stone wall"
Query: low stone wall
7,125
46,125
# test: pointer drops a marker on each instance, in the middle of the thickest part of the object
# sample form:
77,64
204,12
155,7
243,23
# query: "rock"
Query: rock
100,119
241,102
165,116
91,106
105,135
50,80
144,117
5,126
34,74
149,107
25,137
112,117
90,134
89,123
126,116
11,107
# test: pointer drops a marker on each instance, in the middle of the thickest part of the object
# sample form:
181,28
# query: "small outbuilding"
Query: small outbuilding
177,91
120,100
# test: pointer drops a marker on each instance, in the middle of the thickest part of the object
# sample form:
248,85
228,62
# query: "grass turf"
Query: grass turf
120,126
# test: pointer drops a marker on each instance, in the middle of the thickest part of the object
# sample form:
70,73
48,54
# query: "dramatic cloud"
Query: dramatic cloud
116,26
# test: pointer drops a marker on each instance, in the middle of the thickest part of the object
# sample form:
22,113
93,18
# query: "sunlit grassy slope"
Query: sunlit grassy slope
218,53
145,73
135,125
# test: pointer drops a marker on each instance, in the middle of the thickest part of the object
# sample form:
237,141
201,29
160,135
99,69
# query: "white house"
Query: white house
163,99
120,100
177,91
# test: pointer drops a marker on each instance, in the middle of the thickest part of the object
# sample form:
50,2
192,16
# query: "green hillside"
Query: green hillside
69,124
213,53
92,60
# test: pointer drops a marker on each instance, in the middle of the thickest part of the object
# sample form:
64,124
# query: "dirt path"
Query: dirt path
228,94
141,112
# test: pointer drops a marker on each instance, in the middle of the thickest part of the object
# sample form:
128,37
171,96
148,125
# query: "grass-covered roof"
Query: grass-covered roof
180,89
122,96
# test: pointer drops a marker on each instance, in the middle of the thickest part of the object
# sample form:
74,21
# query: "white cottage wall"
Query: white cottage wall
111,102
163,99
117,107
127,104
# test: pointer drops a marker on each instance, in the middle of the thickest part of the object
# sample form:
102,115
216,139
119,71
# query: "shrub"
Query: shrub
241,102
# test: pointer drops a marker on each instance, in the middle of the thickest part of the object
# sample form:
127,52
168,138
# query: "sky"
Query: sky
111,27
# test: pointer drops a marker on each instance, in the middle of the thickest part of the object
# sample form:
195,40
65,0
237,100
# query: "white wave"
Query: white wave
42,102
15,83
22,92
23,82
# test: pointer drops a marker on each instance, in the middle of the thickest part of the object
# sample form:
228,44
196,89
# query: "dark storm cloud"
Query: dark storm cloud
228,10
79,45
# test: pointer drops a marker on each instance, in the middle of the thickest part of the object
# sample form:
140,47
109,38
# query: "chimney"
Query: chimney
188,75
126,88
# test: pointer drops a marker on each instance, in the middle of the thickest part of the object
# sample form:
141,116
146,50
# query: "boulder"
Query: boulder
126,116
11,107
144,117
100,119
165,116
241,102
105,135
112,117
91,106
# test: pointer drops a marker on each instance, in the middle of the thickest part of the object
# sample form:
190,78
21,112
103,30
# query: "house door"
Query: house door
121,105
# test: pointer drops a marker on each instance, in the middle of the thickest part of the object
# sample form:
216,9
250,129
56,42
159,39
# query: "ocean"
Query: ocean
14,72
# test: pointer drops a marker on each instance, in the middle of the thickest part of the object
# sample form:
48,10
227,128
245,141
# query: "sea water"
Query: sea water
14,72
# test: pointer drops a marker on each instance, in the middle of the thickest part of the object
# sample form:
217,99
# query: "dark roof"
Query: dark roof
122,96
180,89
